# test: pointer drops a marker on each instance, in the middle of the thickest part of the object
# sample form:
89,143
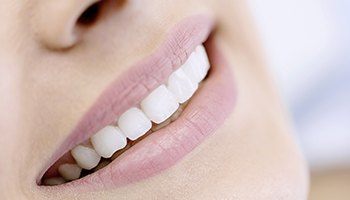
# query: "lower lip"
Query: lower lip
206,111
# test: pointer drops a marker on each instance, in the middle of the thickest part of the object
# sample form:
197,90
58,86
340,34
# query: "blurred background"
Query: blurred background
307,43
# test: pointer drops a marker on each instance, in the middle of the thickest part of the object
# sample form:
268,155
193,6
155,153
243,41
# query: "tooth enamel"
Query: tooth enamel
86,157
134,123
204,60
69,171
108,140
54,181
181,86
195,67
159,105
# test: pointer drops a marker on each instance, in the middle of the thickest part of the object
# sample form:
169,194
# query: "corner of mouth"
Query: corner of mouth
132,96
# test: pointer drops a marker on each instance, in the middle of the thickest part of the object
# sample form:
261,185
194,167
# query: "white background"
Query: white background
308,46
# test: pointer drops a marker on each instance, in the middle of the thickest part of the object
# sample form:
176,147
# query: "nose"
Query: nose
57,22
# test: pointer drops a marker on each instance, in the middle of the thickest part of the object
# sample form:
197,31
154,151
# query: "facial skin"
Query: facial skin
51,72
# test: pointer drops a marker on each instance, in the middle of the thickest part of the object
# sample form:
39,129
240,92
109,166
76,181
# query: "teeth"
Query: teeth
181,85
197,65
203,58
69,171
159,105
134,123
86,157
108,140
162,106
54,181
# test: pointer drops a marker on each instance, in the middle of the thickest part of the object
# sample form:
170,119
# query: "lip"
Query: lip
206,111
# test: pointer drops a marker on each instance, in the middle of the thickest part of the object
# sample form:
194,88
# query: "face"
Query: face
129,79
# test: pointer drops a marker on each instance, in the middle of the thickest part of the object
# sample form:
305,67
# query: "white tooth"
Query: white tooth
134,123
69,171
181,86
195,67
108,140
203,57
53,181
86,157
159,105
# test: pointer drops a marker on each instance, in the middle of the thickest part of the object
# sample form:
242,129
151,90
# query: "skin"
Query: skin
49,77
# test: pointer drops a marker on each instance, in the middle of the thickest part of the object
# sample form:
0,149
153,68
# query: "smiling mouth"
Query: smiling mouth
161,107
181,103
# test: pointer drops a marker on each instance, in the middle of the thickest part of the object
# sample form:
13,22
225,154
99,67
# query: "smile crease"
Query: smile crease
161,107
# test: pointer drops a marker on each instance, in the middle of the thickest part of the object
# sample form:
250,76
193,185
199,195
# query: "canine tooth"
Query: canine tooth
108,140
134,123
159,105
86,157
53,181
69,171
195,67
181,86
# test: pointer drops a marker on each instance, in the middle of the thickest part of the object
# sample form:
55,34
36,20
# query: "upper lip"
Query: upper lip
129,89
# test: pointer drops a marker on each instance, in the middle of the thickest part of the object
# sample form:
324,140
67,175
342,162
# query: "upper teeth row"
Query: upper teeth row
157,107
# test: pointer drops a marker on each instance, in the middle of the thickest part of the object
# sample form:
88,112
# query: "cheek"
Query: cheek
10,121
10,99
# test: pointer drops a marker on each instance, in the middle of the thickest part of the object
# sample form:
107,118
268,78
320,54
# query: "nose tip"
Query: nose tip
55,22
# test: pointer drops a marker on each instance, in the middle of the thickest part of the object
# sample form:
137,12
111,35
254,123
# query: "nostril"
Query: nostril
58,23
90,15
